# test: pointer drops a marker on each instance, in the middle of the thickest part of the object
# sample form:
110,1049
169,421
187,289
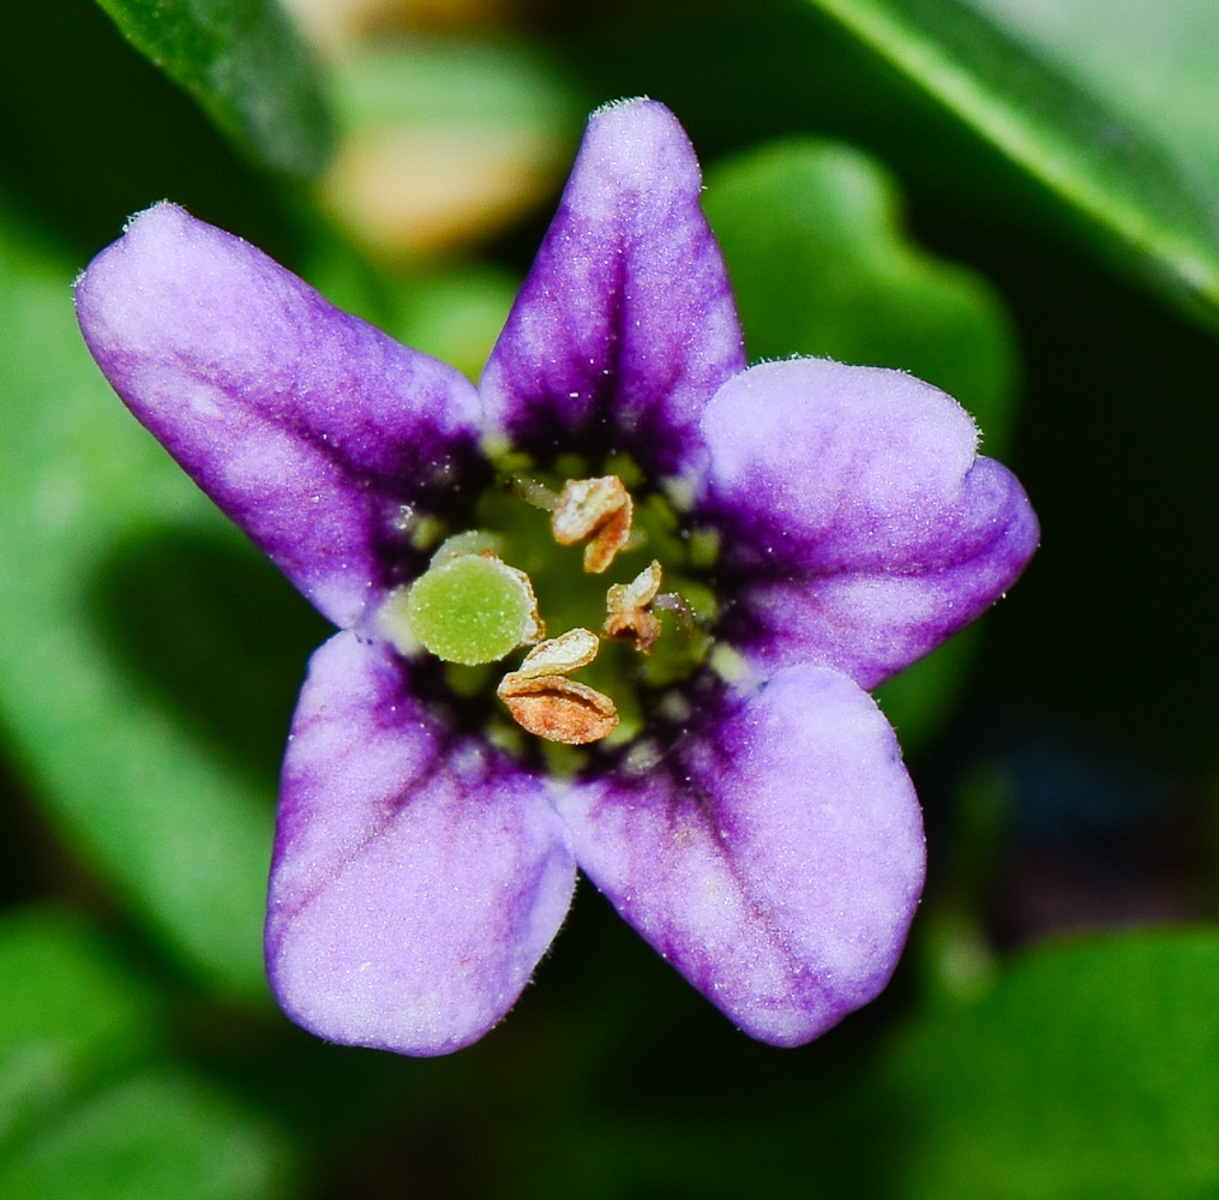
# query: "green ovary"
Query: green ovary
470,609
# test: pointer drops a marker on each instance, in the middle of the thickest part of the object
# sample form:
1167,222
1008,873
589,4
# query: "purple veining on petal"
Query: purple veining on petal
858,522
309,427
626,324
772,847
418,875
775,856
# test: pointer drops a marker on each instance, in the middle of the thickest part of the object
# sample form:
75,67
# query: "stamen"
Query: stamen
532,492
598,509
679,606
544,701
560,709
560,655
627,605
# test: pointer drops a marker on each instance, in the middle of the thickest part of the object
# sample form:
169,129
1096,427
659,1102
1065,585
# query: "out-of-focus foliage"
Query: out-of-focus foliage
820,265
444,142
245,63
110,687
1053,129
1090,1069
1153,63
159,1133
70,1016
89,1106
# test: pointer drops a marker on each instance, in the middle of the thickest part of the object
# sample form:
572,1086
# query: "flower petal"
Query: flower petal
309,427
418,875
775,856
861,524
626,324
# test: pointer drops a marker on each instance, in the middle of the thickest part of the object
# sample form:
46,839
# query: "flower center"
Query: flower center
476,603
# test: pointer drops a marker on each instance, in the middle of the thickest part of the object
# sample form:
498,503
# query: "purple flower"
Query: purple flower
757,826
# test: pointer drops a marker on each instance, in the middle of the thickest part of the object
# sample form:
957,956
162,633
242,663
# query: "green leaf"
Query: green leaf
105,728
1090,1070
157,1135
71,1013
1156,64
244,63
820,265
1076,146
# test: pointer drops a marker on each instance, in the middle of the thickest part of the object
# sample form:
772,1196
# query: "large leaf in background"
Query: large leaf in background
70,1015
114,632
159,1134
1052,128
820,265
83,1111
1157,64
1091,1070
811,231
244,63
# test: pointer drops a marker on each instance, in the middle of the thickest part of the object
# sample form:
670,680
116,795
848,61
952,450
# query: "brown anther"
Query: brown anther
544,701
627,607
559,709
598,510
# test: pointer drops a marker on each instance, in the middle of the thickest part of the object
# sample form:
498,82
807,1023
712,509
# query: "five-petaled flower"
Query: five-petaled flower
757,825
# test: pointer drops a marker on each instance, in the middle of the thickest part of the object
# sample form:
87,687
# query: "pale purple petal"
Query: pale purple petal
309,427
860,527
774,856
419,875
626,325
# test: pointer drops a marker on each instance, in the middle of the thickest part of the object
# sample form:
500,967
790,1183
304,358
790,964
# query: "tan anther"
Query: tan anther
559,709
560,655
599,510
544,701
627,608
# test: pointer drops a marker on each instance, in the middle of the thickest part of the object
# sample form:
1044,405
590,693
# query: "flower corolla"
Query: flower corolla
826,526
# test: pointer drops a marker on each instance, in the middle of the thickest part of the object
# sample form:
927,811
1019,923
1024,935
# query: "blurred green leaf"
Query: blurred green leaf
820,265
244,63
157,1135
1053,129
71,1013
1090,1070
182,832
1156,64
494,84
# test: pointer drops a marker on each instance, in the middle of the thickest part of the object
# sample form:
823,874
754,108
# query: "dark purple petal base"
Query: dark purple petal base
626,323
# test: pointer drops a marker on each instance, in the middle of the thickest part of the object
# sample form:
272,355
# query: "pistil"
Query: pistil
470,607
